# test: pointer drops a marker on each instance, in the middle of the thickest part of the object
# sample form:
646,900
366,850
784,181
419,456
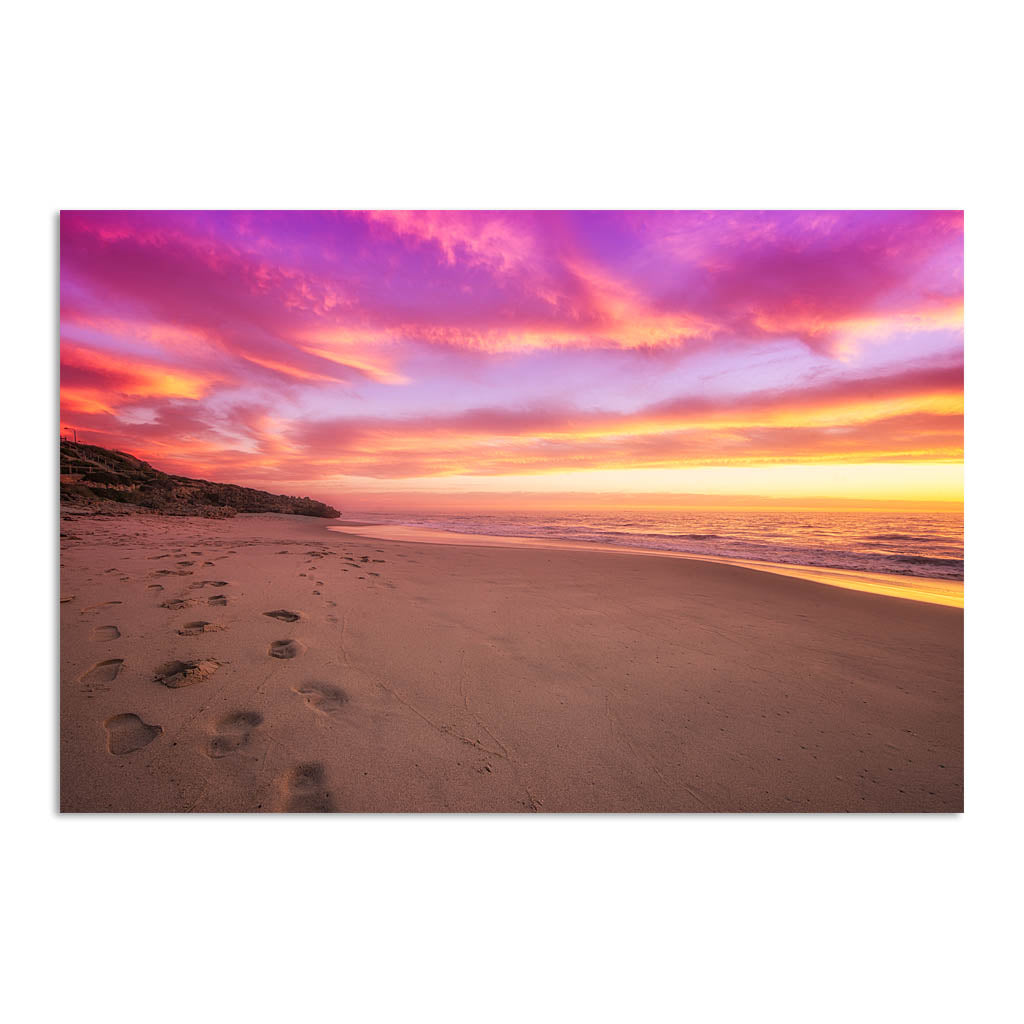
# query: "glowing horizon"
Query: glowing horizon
787,356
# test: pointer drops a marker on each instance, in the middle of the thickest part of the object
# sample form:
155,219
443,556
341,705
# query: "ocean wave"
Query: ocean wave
955,563
902,536
680,536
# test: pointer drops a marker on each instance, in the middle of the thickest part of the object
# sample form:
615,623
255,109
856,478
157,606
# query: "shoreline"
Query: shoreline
949,593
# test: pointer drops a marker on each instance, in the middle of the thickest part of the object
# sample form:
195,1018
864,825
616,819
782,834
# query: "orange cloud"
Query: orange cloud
92,380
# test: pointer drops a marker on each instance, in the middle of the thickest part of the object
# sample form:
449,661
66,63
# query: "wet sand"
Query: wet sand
414,676
914,588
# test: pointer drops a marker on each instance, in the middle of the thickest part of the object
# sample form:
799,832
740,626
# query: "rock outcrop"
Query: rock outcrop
115,481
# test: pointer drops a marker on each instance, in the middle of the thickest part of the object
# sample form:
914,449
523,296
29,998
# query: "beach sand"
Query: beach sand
413,676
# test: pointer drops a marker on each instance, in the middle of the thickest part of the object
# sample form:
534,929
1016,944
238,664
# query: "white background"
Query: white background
715,918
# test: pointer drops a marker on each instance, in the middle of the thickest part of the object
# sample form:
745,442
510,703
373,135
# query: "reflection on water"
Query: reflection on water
912,555
917,588
903,543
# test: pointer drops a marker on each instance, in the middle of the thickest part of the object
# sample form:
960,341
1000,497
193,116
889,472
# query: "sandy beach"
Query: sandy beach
267,663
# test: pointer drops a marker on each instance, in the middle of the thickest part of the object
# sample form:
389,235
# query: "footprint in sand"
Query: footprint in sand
218,600
177,604
97,680
197,627
285,649
128,732
284,616
323,698
96,607
207,583
177,674
155,586
233,732
304,790
102,672
105,633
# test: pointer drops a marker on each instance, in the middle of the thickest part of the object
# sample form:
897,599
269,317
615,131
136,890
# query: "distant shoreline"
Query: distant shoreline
949,593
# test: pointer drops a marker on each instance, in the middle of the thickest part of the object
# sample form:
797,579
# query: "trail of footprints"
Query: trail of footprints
304,788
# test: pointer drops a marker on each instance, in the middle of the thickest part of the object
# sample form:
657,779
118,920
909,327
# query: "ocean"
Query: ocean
926,544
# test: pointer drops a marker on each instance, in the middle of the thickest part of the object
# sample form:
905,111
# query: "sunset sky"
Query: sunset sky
644,355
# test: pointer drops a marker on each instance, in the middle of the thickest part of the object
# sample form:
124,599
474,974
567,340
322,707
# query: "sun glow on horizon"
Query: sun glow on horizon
898,483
